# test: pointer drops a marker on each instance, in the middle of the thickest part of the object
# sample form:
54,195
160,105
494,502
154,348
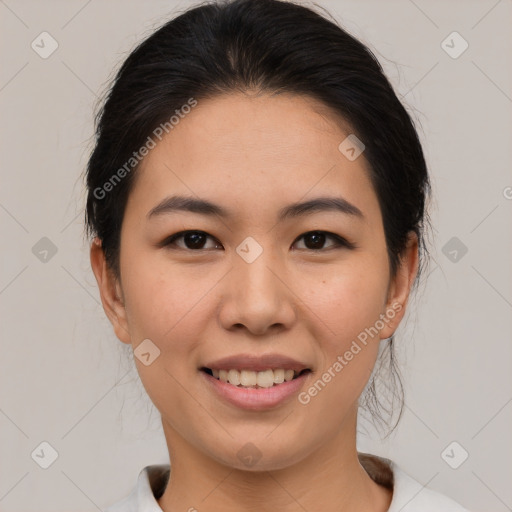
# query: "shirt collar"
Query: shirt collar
151,484
152,481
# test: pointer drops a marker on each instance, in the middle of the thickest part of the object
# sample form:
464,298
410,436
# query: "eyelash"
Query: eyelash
340,242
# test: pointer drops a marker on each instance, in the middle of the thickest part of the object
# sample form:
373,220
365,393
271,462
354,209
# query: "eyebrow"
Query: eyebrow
190,204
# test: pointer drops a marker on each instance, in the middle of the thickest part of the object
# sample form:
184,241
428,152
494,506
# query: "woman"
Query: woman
256,199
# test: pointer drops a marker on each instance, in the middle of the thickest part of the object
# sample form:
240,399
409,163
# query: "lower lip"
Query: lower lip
256,399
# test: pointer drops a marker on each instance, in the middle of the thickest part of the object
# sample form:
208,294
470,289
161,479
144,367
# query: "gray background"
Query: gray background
65,378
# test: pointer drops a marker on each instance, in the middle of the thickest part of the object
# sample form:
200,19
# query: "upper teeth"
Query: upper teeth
265,379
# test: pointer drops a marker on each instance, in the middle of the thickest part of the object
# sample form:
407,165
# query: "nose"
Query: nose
256,297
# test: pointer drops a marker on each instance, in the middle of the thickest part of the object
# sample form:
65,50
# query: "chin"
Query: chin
260,455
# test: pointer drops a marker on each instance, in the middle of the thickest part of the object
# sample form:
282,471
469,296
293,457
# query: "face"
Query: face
255,278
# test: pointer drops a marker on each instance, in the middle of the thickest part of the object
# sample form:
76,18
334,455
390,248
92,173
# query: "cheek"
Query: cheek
168,303
171,307
344,308
345,299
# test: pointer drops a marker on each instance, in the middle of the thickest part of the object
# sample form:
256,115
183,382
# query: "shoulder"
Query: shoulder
151,483
408,494
128,504
411,496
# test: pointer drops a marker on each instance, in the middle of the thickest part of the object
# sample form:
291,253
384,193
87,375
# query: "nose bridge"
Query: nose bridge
255,279
257,296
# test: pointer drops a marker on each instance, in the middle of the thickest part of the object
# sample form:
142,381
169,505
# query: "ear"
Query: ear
110,292
400,286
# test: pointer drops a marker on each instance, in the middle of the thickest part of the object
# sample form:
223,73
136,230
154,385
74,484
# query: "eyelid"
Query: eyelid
340,241
170,240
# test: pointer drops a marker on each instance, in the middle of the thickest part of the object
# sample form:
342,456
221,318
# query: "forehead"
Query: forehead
260,148
265,128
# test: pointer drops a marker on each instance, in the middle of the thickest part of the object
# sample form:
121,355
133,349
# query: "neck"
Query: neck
330,479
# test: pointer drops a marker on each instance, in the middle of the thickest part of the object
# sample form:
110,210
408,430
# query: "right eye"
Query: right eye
192,240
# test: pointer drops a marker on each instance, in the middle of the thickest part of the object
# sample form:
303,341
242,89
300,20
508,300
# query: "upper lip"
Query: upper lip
257,363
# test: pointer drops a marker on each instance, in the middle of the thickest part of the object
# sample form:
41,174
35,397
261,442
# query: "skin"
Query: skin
254,154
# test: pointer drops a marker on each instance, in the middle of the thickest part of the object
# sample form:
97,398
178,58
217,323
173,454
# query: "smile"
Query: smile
243,389
252,379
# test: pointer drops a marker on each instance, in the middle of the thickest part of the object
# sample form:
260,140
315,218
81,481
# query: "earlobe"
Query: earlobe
110,292
401,286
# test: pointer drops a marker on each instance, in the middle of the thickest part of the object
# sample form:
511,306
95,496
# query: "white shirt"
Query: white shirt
408,494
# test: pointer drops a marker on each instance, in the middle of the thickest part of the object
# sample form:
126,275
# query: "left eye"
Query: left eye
196,240
314,240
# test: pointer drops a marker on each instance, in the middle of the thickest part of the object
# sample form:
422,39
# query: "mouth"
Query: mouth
269,378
